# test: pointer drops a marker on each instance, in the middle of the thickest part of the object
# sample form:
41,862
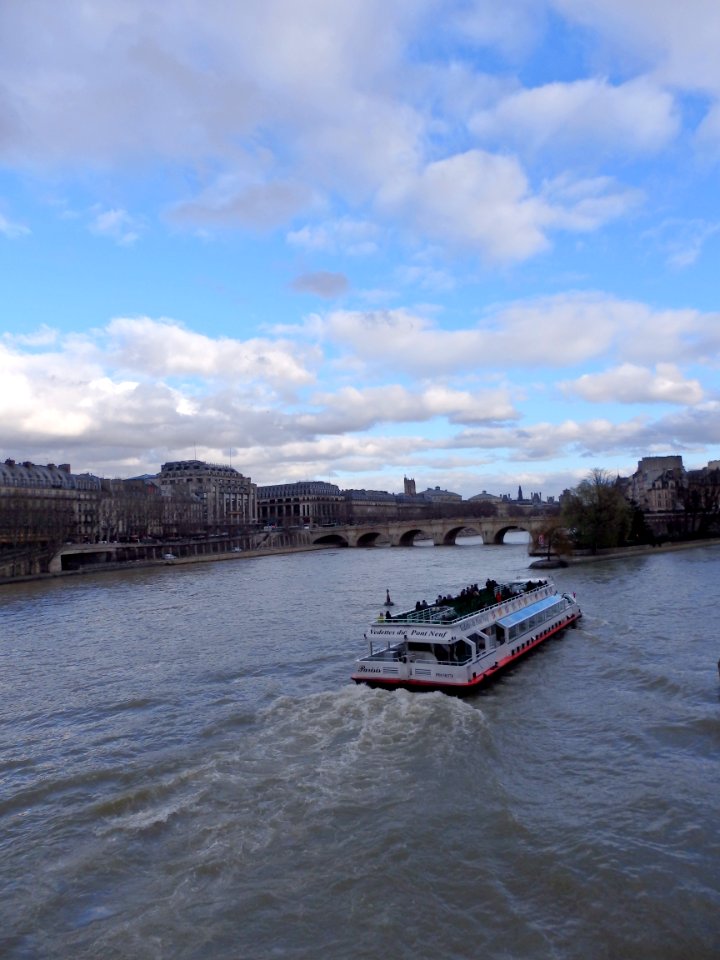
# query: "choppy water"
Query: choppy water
186,771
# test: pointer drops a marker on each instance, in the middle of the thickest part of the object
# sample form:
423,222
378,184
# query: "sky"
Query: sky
468,242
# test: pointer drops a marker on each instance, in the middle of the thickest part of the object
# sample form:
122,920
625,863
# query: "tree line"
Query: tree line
597,515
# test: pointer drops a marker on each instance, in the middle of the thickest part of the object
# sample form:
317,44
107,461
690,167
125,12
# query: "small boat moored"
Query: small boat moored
458,643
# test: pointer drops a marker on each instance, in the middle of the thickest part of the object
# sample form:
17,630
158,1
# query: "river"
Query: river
187,773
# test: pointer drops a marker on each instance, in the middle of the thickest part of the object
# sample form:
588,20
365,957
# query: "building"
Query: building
47,504
436,495
301,504
657,484
228,499
486,497
371,506
676,502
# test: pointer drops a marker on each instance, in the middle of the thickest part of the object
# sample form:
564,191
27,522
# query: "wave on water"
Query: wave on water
145,802
356,712
305,764
300,756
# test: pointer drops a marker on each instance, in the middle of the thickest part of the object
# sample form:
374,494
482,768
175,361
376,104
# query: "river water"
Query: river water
187,772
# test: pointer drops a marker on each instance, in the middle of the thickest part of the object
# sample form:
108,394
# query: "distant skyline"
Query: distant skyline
476,244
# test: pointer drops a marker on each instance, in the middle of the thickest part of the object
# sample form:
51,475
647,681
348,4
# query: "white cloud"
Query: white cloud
11,230
678,40
584,205
708,132
345,235
165,349
675,44
352,409
634,117
42,337
475,200
549,332
556,332
483,202
129,396
117,225
629,383
261,128
512,27
426,277
243,84
682,241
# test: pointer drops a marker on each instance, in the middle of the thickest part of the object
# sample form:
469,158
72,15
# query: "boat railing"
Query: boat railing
447,614
386,653
434,614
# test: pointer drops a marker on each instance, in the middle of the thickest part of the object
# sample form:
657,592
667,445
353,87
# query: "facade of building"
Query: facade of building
139,508
367,506
657,484
228,499
301,504
46,503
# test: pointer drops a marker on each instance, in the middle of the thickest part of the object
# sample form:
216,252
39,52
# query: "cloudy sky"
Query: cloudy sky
470,242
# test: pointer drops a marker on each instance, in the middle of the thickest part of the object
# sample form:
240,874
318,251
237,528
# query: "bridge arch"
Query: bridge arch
407,537
449,537
498,536
371,538
331,540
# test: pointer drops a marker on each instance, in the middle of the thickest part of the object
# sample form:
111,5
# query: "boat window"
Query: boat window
478,640
459,651
523,621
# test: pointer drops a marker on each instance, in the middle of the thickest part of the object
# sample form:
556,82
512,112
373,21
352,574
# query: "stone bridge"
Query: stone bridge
399,533
442,532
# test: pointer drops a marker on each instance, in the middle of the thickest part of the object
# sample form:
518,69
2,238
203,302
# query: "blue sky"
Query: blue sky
472,243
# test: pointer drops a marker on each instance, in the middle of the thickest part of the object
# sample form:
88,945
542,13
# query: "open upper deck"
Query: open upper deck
473,608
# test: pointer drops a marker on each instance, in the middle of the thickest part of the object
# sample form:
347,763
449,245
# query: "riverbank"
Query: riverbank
622,553
113,567
617,553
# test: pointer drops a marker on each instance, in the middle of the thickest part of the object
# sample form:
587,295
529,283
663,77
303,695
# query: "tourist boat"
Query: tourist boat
458,643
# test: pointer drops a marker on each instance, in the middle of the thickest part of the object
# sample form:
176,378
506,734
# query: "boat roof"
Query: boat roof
532,608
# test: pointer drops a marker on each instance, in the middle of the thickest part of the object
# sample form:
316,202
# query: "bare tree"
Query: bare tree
596,513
